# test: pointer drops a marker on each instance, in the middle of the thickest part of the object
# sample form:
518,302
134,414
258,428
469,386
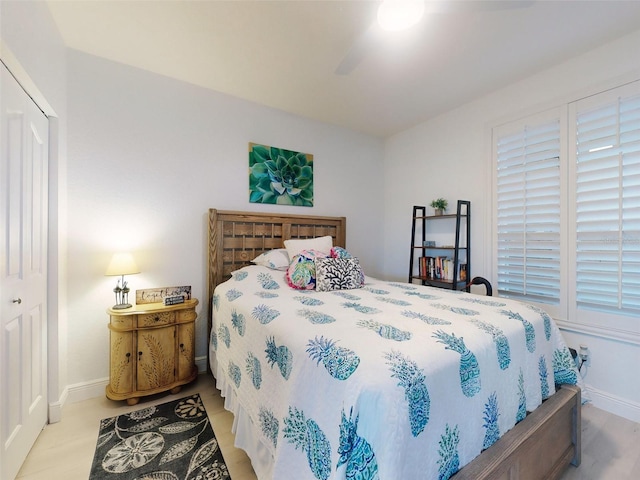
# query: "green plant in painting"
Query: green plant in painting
279,176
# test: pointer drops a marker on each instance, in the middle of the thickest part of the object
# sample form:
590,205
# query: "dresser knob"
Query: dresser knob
17,300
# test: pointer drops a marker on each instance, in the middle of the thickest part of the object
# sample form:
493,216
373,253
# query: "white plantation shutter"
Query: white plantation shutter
528,212
607,203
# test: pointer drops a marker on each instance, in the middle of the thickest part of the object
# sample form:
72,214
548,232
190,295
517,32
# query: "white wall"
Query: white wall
32,40
450,156
148,156
127,130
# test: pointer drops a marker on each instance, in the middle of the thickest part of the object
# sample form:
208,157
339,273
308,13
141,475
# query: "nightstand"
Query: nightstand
152,350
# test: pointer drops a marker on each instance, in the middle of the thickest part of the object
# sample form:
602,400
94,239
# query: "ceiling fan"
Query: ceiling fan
393,15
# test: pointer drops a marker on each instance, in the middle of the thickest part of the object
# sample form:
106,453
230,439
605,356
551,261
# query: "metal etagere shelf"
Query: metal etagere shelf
420,248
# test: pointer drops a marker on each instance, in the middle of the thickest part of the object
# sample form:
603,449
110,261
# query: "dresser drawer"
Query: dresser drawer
156,319
188,315
122,322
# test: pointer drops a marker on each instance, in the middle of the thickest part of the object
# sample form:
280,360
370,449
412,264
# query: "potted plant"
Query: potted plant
440,205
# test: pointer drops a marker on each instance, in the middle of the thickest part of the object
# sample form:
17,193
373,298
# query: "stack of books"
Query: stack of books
440,268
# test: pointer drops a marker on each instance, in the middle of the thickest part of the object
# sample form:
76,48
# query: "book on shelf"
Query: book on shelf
462,275
440,268
424,262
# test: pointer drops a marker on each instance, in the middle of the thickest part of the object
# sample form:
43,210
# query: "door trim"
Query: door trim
22,77
55,398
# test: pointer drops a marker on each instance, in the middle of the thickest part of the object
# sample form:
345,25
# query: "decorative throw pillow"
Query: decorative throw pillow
338,274
301,273
298,245
339,252
276,259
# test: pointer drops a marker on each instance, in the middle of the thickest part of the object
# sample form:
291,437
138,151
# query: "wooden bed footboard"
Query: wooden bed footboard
540,447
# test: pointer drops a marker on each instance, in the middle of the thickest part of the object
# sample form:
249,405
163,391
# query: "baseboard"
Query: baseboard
93,389
55,407
86,390
96,388
613,404
201,363
75,393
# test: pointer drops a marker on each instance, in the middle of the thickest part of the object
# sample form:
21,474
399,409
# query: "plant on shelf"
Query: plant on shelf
440,205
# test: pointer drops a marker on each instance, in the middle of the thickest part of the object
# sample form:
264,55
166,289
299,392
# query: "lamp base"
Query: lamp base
121,306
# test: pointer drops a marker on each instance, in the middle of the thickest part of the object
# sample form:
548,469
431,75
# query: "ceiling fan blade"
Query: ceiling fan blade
364,44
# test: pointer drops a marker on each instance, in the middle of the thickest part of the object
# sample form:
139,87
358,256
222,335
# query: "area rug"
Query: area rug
171,441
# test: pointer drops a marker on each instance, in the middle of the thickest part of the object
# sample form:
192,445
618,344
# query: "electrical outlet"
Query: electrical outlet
584,354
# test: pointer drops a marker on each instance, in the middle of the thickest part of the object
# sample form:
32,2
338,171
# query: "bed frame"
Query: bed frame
539,447
236,238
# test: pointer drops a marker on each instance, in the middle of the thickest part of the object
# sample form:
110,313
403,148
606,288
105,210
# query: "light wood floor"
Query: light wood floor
64,450
610,444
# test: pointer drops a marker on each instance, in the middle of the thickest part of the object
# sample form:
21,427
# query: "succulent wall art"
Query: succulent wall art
279,176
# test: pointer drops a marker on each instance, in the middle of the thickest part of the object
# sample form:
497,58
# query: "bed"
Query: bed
360,401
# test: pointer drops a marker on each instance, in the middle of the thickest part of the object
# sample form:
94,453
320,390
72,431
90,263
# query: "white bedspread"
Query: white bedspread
391,381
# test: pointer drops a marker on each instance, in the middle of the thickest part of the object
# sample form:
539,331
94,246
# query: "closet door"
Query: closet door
23,272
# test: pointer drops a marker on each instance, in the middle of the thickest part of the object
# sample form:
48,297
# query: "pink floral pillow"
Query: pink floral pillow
301,273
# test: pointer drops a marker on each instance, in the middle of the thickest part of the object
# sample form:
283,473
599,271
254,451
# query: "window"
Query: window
567,210
607,202
528,210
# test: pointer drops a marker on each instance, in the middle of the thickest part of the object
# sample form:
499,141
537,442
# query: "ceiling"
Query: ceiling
284,54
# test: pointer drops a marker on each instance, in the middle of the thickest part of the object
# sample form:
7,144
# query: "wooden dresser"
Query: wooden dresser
152,350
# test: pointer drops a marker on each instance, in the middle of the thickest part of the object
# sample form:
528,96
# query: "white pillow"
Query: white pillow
321,244
276,259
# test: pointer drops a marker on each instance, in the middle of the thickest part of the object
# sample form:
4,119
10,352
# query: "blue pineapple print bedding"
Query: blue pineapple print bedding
389,381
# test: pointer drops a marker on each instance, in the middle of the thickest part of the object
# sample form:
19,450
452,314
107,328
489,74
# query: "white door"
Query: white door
23,274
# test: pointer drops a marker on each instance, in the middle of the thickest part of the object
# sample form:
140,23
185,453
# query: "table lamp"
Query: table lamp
122,264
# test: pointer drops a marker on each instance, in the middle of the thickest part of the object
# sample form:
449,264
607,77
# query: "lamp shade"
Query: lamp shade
122,264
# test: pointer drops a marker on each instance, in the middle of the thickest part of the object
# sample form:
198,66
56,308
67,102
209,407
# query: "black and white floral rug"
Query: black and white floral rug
171,441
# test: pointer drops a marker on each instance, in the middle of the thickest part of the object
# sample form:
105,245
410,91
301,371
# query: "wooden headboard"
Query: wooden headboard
236,238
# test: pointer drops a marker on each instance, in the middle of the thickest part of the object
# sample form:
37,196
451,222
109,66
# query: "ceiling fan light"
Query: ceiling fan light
396,15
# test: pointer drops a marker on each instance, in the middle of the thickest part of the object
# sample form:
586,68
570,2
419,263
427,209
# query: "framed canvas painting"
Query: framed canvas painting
279,176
